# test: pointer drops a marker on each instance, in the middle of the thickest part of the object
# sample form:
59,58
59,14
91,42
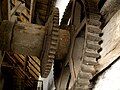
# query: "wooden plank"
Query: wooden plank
33,69
36,60
33,74
18,59
32,61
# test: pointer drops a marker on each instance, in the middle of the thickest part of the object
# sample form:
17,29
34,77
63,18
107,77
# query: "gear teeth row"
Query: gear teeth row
91,53
53,43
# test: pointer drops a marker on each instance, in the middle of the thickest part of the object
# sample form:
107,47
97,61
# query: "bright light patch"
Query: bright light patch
110,80
61,4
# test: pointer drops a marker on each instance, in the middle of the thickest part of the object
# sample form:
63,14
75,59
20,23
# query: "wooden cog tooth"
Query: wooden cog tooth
52,52
54,29
93,29
93,45
88,68
53,47
48,67
94,22
91,53
93,37
55,34
50,61
54,38
83,81
89,61
54,43
51,56
85,75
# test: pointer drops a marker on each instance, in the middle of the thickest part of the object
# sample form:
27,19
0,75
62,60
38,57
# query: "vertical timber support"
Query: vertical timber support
32,10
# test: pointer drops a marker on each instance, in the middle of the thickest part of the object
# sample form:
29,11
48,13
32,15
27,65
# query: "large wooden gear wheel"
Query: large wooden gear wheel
79,67
50,43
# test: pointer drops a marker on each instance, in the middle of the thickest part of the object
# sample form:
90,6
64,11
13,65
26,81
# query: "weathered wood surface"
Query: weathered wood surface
109,9
111,42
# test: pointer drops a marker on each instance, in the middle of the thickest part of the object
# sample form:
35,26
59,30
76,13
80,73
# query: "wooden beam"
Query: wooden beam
109,8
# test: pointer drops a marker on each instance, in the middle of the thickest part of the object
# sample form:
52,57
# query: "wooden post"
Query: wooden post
32,10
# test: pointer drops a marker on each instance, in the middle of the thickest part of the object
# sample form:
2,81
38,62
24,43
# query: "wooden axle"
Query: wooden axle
27,39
